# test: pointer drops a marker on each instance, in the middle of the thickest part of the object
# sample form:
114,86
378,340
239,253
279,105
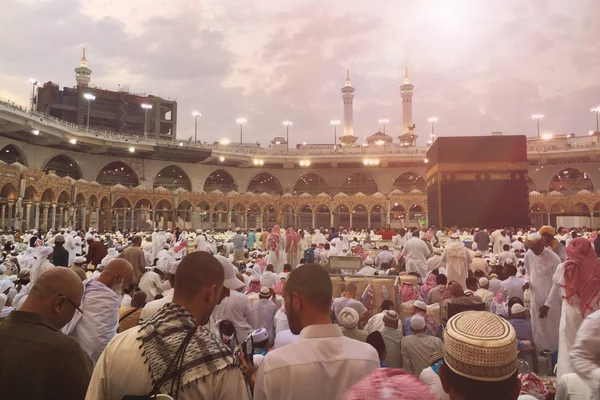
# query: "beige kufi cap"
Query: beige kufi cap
481,346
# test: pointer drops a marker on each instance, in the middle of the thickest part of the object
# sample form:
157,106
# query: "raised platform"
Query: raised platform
478,181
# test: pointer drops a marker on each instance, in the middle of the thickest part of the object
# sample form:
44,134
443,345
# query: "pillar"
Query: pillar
3,214
368,219
549,219
45,217
10,212
229,218
116,220
84,217
210,220
331,218
36,222
27,216
60,218
53,216
245,220
219,219
388,211
592,219
350,220
132,218
314,217
262,220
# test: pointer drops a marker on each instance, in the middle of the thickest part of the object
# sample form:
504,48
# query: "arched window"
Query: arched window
173,177
265,183
360,182
571,180
220,180
409,181
63,166
117,172
11,154
312,184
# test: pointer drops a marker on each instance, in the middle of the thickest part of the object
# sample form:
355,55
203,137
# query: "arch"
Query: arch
117,172
184,214
47,196
570,180
557,208
64,198
122,202
104,203
172,177
360,182
409,181
63,165
597,206
288,217
11,154
203,205
220,180
269,208
221,207
377,216
80,199
143,203
287,208
312,184
164,204
538,208
30,194
581,208
359,208
238,207
8,191
397,208
377,208
264,182
93,201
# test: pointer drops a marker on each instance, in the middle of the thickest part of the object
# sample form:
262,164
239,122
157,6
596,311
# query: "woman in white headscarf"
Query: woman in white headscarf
42,263
456,259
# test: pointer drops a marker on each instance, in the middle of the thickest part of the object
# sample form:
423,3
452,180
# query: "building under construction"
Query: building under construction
115,111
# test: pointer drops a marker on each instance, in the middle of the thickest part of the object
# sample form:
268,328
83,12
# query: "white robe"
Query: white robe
398,243
416,253
538,272
456,259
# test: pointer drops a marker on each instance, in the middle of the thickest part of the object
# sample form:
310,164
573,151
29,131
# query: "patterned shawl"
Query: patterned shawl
582,275
161,337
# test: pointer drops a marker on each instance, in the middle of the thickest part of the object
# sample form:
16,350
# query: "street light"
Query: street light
287,125
196,114
432,121
597,112
146,107
335,123
89,97
241,121
34,83
537,118
383,122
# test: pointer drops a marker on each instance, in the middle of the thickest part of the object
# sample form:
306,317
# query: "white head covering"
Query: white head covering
79,260
368,260
2,268
348,318
6,284
41,263
417,322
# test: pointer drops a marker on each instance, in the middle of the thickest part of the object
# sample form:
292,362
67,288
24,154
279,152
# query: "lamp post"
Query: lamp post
287,125
34,83
537,118
383,122
89,97
597,112
241,121
146,107
334,123
196,114
432,121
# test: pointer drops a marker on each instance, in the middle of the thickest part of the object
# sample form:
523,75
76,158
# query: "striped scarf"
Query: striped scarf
161,336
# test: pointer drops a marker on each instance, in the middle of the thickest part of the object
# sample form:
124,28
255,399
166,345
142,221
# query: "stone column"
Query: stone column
116,220
3,208
36,222
53,216
368,219
592,219
229,218
388,211
262,220
219,219
210,220
84,217
245,220
549,219
314,218
331,218
350,219
45,217
27,216
132,218
60,218
10,213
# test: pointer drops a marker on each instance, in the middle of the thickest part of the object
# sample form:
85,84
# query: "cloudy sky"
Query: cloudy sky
478,65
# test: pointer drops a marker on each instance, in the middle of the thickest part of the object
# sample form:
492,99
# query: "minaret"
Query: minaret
83,73
348,96
406,91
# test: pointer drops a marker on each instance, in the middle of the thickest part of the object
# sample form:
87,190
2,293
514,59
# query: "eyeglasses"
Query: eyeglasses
73,304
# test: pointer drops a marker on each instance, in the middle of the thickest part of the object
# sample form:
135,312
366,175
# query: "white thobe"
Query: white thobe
264,310
433,262
572,387
122,370
585,355
398,244
416,253
237,309
152,307
97,325
323,364
268,279
151,284
284,338
456,260
538,272
512,287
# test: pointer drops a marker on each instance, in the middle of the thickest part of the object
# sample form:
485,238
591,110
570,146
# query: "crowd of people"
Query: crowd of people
291,314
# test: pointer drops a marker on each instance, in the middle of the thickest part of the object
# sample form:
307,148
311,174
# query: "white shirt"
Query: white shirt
268,279
284,338
572,387
264,310
585,354
151,284
235,308
341,302
281,322
517,245
432,380
151,308
507,255
323,364
512,287
384,257
122,370
126,300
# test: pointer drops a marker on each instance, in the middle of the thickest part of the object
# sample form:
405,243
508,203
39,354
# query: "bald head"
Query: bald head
117,274
55,295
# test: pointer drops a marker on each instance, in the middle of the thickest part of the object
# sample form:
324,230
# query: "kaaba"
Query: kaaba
475,181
